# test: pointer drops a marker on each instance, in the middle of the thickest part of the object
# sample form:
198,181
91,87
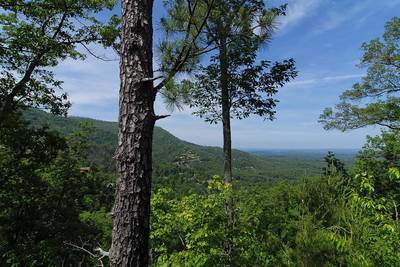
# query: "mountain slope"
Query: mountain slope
179,160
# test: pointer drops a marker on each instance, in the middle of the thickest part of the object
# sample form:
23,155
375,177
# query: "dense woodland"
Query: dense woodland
60,176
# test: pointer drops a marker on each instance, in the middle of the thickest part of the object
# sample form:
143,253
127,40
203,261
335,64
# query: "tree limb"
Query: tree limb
159,117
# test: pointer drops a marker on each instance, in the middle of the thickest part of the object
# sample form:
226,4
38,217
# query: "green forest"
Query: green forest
77,191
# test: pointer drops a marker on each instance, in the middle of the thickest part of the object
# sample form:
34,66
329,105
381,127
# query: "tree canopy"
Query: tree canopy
250,82
375,100
251,86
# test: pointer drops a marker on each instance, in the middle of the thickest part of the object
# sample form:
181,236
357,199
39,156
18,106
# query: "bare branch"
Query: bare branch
159,117
96,56
151,79
96,257
102,252
81,248
391,127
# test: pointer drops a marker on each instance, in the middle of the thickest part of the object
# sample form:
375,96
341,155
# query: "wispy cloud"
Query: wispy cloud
342,77
324,79
337,17
354,11
297,10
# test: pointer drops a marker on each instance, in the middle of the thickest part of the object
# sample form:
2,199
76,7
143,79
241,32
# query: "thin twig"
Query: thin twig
96,56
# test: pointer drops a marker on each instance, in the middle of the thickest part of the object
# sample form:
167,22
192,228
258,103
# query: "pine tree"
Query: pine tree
130,241
233,84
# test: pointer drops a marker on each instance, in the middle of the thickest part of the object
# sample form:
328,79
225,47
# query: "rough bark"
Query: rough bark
130,241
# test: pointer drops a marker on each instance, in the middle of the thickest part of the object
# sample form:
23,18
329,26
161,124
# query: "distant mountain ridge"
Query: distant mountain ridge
182,160
346,155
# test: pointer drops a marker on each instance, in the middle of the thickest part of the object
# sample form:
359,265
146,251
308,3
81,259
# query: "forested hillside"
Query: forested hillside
182,164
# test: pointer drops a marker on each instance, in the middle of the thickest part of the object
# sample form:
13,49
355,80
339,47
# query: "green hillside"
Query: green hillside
177,162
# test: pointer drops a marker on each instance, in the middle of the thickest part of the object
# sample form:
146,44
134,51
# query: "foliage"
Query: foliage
181,45
379,158
335,166
251,87
329,220
333,220
378,89
321,221
35,36
181,33
188,231
241,27
42,196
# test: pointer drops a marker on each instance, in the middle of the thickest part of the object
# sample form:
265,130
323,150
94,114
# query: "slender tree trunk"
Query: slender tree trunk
226,122
130,240
226,117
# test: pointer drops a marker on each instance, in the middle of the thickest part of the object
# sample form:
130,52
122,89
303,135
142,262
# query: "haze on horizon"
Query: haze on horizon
323,36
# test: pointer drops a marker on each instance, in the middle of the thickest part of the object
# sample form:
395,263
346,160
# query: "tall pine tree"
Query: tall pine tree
234,85
130,241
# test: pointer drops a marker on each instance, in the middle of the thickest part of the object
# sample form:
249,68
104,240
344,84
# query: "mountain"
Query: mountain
177,162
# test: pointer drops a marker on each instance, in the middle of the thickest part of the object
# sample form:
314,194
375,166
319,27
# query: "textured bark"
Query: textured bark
130,241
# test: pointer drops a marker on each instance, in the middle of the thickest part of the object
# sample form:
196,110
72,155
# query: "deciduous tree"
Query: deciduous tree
35,35
375,100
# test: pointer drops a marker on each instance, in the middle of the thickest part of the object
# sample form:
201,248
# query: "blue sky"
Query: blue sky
323,36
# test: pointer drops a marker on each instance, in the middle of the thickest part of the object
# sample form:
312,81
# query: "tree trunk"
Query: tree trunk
226,122
226,116
130,240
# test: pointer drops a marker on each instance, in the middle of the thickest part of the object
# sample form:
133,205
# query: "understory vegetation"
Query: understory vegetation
52,209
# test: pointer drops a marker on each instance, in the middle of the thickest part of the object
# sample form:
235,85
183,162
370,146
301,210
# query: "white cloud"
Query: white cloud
92,86
298,10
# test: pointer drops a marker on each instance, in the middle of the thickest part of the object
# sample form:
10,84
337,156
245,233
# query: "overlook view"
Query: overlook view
199,133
